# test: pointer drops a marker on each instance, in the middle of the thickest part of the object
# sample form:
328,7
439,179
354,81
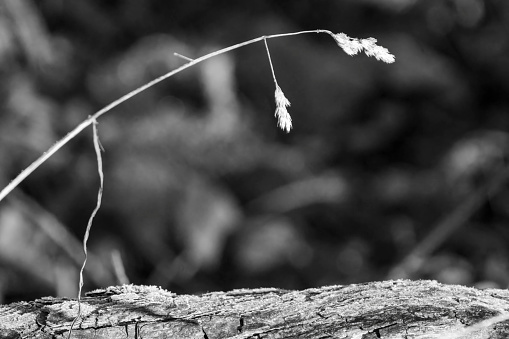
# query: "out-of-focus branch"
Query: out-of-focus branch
414,261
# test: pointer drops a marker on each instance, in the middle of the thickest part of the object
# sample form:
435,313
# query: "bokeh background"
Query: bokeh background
391,171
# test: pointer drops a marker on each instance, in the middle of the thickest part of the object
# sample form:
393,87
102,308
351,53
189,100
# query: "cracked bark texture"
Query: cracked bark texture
388,309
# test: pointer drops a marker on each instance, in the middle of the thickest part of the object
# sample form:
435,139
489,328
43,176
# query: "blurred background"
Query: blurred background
391,171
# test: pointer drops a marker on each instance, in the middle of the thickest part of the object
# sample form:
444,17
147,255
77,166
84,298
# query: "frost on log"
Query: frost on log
388,309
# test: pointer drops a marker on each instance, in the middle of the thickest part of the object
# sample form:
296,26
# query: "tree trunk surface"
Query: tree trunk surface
387,309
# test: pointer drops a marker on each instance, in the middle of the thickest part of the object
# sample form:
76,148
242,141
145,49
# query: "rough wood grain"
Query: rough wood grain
388,309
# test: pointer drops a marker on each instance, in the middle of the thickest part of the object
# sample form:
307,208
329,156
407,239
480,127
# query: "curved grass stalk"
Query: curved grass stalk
59,144
350,45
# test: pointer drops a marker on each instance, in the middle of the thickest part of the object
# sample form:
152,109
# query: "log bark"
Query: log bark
387,309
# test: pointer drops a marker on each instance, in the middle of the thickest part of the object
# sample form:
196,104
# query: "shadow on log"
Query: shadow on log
388,309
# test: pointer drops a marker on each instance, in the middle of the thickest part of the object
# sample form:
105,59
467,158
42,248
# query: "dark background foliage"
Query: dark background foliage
391,170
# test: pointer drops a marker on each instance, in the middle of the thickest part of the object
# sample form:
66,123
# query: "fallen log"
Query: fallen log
387,309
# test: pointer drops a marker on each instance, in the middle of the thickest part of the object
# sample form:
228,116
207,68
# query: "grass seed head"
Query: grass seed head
352,46
284,120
